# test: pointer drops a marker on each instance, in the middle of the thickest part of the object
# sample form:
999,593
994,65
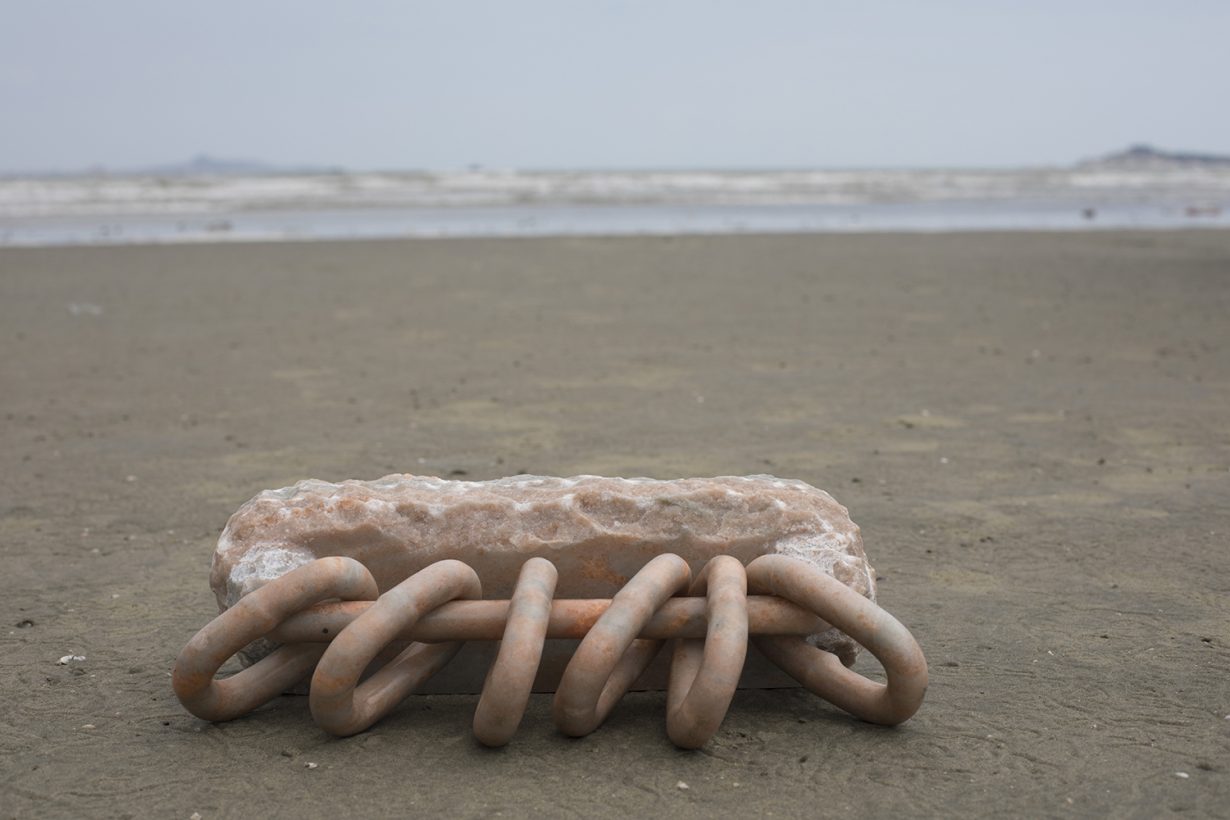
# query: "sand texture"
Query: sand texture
1031,430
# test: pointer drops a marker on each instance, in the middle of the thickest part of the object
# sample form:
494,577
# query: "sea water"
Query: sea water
477,203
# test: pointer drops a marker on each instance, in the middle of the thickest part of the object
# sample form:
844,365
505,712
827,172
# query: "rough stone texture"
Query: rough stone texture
598,531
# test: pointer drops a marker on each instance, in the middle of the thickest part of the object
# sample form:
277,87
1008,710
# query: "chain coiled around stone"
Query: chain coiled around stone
710,620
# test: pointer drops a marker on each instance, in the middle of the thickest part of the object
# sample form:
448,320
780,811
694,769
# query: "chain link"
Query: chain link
437,609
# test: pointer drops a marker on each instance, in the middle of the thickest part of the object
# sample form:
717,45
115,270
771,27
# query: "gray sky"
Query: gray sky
612,85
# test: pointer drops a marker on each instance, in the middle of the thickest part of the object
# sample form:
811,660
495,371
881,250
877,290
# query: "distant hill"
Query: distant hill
210,166
202,165
206,165
1146,157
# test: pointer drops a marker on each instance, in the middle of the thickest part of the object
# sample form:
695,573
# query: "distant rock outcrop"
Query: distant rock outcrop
1146,157
202,165
209,166
206,165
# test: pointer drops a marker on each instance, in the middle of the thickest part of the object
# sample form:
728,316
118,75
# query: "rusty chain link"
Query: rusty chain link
439,608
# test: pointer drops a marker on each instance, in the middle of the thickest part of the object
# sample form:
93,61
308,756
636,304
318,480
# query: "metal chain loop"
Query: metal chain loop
506,691
344,707
610,658
437,609
705,674
254,616
821,672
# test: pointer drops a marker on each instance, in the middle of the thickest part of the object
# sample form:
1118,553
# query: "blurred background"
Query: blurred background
141,121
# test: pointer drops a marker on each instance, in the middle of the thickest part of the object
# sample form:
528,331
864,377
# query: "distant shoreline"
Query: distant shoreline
207,166
108,211
358,224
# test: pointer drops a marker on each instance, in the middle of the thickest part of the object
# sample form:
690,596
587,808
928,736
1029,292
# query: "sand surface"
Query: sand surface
1032,430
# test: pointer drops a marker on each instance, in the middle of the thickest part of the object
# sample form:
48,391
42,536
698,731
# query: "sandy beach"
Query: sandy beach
1032,430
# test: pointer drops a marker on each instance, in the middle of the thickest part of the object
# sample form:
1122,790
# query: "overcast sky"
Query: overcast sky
610,85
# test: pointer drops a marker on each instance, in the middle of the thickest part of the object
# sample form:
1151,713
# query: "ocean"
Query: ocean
102,209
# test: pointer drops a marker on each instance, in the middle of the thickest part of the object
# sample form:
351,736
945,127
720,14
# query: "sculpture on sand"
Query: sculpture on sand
372,589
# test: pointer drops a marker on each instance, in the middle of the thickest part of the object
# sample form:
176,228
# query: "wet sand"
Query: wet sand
1033,431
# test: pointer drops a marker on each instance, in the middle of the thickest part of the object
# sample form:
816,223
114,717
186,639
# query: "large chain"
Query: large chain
438,608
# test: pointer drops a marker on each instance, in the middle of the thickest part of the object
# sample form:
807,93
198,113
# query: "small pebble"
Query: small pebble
310,765
683,787
1183,775
69,658
196,815
87,726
